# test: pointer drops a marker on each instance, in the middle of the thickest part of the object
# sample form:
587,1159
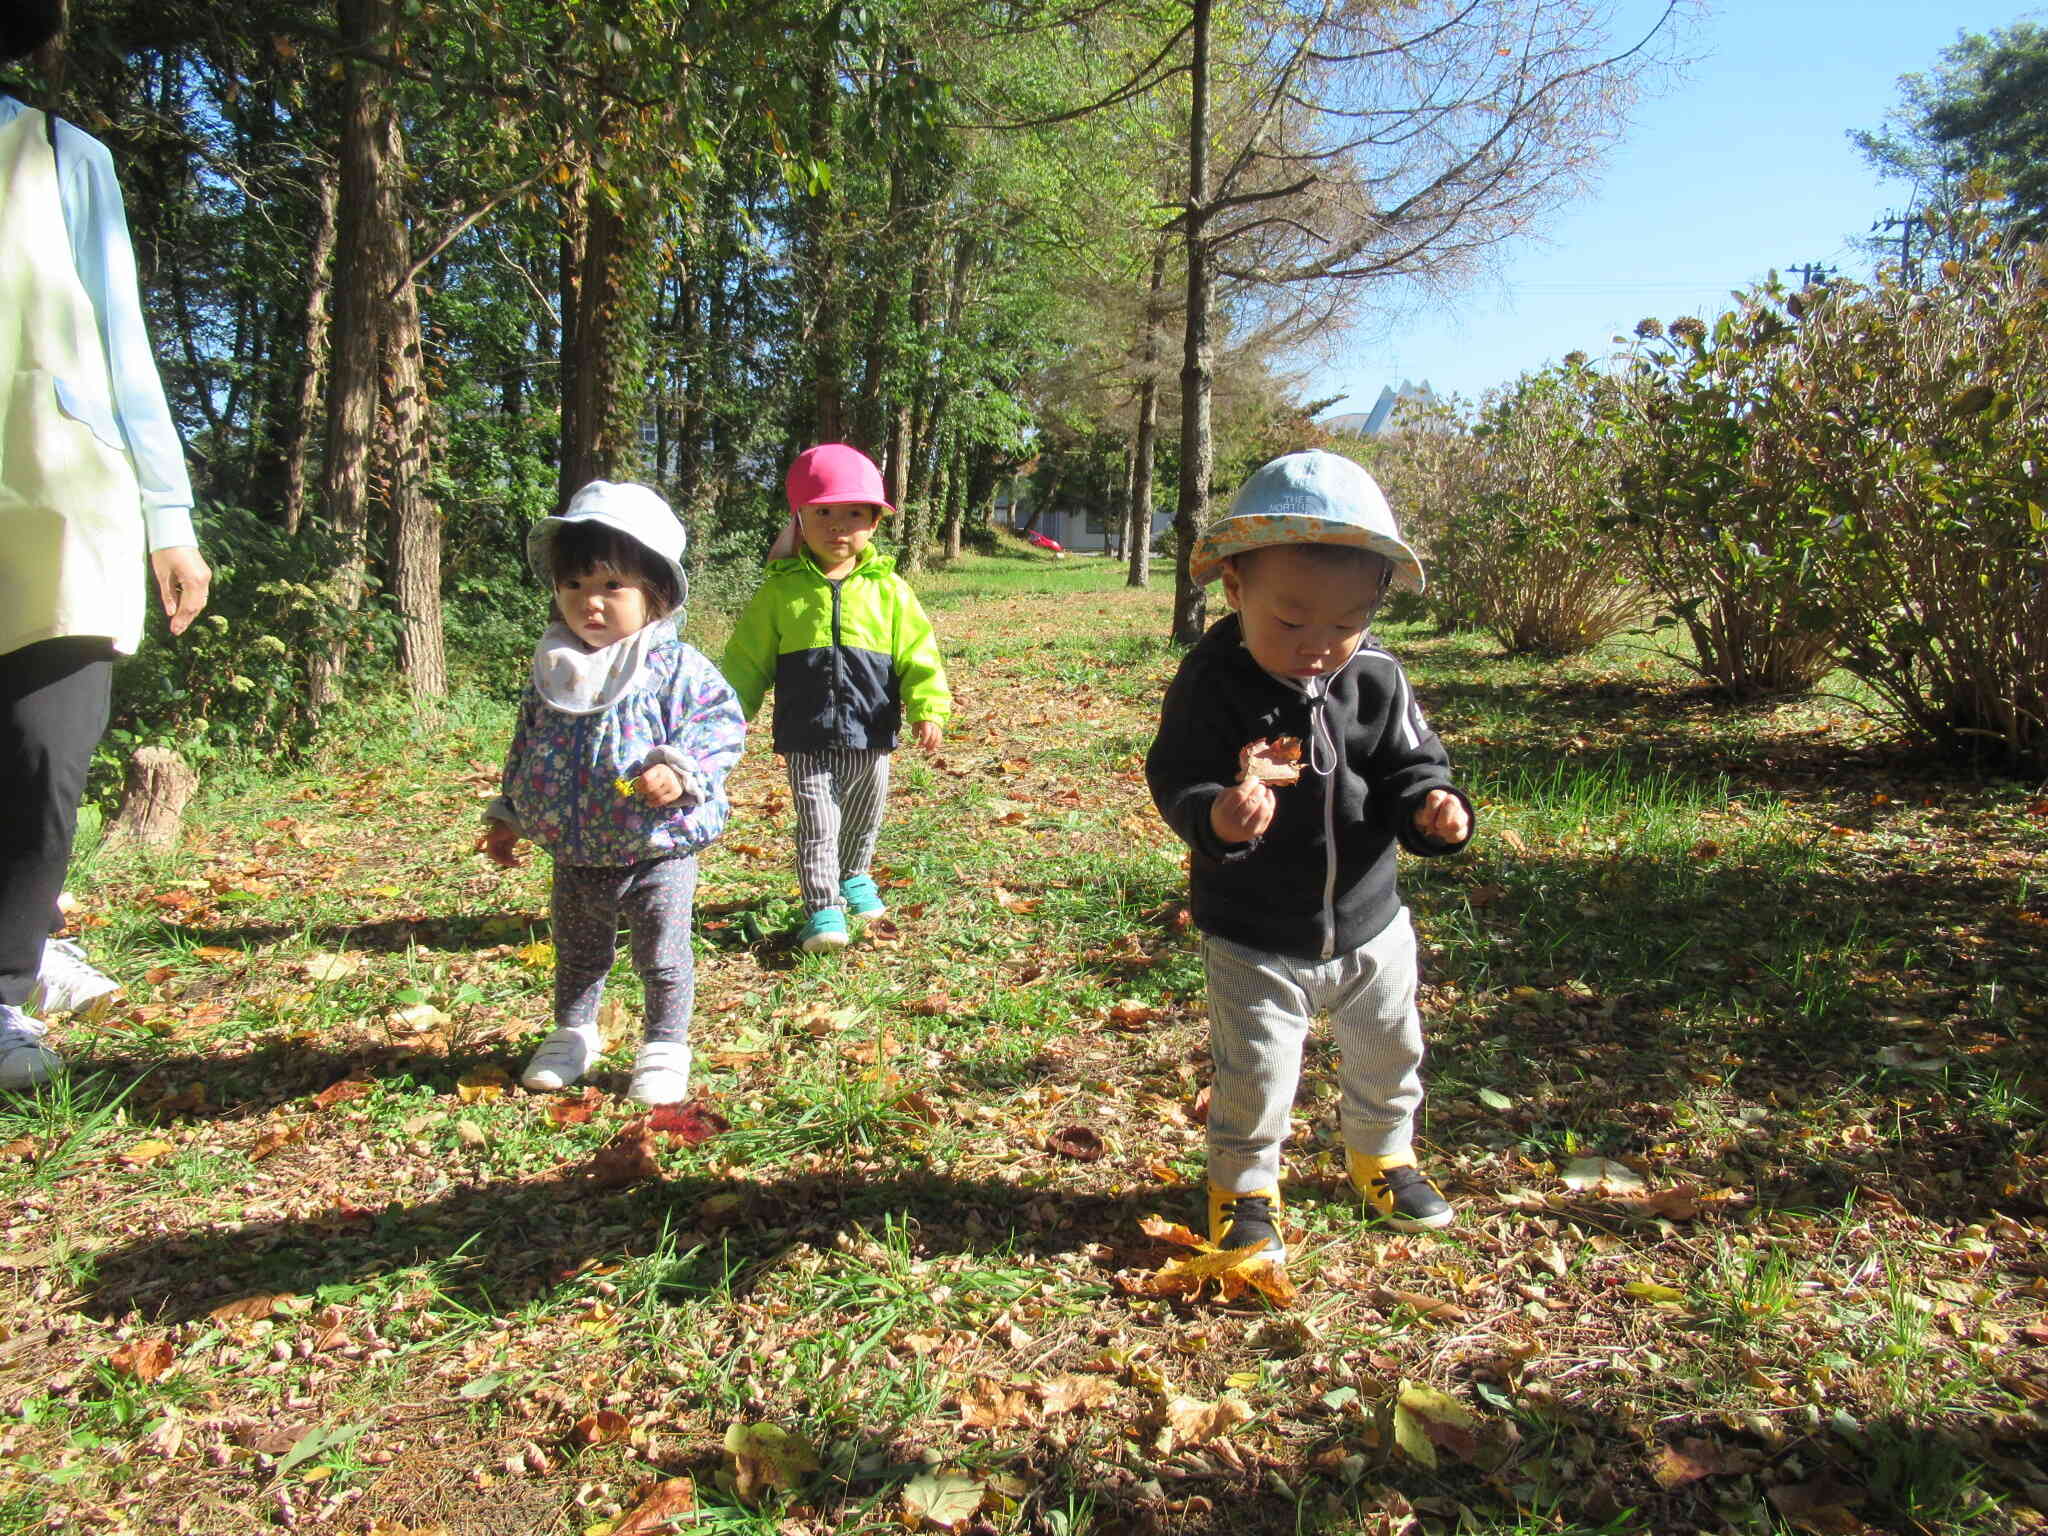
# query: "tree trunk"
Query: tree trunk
956,497
1139,551
898,475
153,799
360,282
319,280
415,518
603,388
1197,449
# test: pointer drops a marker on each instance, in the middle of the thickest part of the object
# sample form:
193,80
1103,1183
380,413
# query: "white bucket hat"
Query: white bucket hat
1307,498
623,507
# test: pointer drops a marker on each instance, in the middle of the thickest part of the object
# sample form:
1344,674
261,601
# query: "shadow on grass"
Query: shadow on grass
496,1249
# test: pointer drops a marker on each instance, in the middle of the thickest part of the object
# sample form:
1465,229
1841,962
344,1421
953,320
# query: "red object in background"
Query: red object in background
1035,537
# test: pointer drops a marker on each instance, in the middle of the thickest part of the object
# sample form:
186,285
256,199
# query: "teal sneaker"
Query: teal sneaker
862,899
823,930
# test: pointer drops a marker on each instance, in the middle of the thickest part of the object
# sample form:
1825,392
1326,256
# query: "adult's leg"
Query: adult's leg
659,895
54,698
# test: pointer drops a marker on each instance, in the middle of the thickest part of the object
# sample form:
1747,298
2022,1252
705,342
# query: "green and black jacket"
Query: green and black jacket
849,660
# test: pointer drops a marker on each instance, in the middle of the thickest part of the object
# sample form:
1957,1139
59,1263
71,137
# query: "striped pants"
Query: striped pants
839,795
1260,1008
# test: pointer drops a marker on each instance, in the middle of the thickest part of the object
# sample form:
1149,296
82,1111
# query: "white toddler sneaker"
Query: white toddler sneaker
661,1073
562,1058
25,1062
67,982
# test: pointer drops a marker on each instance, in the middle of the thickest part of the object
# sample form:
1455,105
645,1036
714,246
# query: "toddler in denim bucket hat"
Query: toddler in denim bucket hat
1308,498
1293,878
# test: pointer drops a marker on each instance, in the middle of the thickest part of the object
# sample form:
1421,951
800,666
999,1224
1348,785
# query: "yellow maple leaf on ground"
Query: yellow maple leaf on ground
1235,1272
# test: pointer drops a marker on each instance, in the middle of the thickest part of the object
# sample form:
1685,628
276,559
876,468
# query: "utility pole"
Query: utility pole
1813,274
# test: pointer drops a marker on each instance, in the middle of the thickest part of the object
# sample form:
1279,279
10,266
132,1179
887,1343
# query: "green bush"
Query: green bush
235,681
1914,426
1728,548
1533,557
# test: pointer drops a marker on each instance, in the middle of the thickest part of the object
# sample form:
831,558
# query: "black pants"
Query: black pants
54,697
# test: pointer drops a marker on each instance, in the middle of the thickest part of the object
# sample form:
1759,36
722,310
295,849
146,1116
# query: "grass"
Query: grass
1786,975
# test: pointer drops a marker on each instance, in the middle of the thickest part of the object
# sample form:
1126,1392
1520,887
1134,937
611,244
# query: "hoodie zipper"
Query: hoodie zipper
1322,759
838,661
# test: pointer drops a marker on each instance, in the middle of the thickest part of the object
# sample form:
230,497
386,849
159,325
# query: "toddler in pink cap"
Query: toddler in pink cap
842,640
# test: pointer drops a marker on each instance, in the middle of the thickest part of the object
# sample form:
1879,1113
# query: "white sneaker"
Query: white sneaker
661,1073
562,1058
67,982
25,1061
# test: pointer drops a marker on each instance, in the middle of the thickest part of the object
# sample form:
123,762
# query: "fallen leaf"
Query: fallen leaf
1651,1290
944,1497
688,1125
274,1138
1426,1306
567,1111
660,1505
250,1309
145,1359
1130,1014
1023,906
21,1149
1079,1142
330,967
991,1405
1821,1506
1426,1421
537,956
1603,1174
339,1093
1692,1459
421,1017
1194,1422
601,1428
1513,839
628,1158
1073,1394
1235,1272
482,1084
766,1458
144,1153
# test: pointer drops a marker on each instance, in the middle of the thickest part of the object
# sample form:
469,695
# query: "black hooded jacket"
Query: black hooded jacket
1320,880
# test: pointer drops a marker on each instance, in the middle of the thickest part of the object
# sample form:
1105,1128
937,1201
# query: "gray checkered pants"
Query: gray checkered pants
840,794
1260,1009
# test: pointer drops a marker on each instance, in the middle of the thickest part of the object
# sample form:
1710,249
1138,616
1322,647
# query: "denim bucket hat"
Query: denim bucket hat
1307,498
623,507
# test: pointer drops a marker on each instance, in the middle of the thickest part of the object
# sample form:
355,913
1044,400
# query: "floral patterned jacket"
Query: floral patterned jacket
562,773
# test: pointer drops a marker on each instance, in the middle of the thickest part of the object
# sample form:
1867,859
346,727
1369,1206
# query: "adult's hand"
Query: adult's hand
182,581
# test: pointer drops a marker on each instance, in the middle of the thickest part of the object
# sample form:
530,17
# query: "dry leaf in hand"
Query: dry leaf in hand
1276,762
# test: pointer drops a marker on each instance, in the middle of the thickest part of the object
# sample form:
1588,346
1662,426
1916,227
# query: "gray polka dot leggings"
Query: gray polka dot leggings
653,899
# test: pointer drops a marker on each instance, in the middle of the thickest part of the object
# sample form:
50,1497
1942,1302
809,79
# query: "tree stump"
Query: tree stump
153,799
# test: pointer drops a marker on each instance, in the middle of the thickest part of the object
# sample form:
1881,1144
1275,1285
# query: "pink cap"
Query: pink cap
833,473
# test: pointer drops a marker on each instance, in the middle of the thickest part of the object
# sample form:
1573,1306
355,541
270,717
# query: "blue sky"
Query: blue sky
1744,165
